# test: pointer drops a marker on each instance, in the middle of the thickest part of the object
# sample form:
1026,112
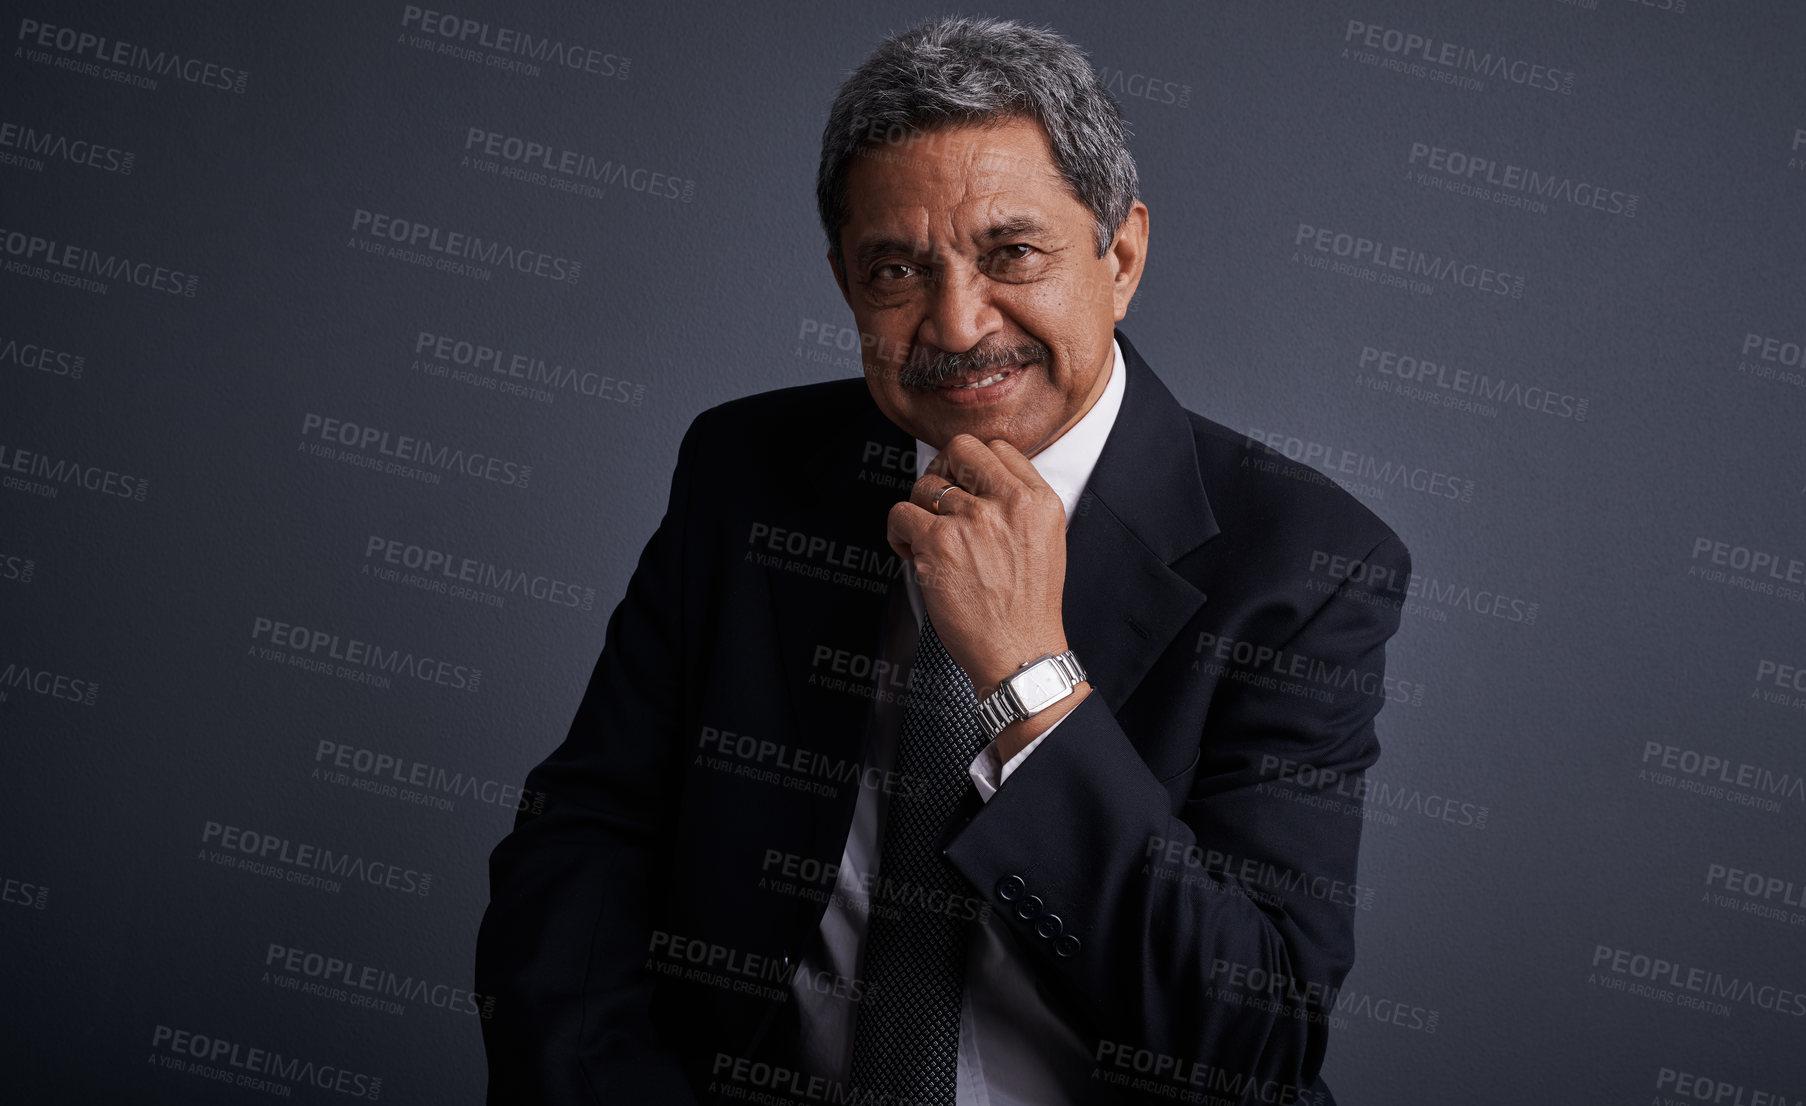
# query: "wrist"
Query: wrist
1044,686
1013,738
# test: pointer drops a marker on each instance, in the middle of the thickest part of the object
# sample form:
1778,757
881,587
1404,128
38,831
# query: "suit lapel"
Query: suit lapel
837,501
839,507
1143,508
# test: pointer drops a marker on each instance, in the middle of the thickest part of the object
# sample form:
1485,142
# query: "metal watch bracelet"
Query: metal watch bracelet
1002,706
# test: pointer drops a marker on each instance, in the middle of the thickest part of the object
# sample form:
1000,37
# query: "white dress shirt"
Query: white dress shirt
1013,1050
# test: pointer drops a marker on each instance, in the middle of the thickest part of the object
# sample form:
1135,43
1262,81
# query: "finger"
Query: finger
923,494
905,522
972,465
1019,465
939,465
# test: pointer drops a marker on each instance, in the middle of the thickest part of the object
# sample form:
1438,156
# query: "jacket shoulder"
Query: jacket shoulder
798,401
1259,492
754,427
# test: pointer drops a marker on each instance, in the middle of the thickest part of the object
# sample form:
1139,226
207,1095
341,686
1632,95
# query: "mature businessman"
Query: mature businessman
987,731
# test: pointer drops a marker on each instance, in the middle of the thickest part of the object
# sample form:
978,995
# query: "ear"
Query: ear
1128,255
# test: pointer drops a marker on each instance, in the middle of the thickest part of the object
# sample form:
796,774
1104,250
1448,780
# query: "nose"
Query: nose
960,313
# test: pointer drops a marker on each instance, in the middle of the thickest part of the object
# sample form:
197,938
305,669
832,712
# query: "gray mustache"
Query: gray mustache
941,367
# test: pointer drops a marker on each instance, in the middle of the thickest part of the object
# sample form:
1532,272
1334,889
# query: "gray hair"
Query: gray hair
957,71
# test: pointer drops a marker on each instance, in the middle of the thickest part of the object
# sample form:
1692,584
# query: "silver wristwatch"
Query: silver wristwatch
1031,689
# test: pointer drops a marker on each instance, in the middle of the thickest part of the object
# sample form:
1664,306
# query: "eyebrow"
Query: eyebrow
1011,228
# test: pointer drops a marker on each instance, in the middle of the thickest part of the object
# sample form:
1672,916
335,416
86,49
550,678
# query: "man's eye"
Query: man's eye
1011,257
894,272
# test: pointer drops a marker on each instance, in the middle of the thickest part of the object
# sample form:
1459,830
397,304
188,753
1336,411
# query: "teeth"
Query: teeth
986,382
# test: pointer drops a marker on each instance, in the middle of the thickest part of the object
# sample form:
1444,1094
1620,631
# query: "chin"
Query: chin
984,425
990,429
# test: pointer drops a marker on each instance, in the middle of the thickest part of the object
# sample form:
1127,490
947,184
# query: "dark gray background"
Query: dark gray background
1483,939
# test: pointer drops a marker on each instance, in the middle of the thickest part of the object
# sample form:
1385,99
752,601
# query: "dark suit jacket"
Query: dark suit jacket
1208,887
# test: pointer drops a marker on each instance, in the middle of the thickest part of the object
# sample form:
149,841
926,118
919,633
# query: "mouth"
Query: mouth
973,381
982,388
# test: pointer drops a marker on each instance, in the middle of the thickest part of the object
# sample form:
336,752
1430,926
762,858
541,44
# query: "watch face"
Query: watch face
1038,686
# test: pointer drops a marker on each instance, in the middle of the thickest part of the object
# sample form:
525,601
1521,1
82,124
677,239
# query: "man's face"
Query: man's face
968,258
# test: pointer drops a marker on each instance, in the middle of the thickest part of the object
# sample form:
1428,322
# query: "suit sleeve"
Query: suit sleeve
1208,945
562,948
988,775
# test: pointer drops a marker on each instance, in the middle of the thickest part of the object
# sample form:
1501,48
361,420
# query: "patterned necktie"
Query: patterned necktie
906,1033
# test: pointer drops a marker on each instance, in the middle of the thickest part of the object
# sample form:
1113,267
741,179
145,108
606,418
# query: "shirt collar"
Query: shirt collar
1067,462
